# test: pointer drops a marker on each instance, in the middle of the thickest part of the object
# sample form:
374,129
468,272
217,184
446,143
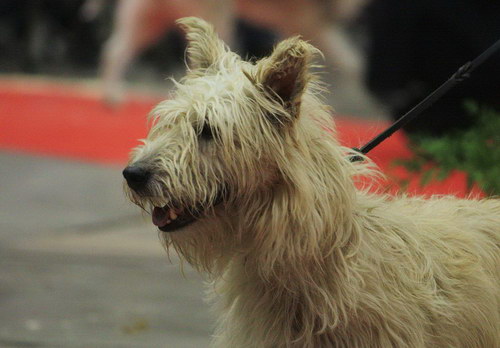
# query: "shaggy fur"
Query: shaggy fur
298,256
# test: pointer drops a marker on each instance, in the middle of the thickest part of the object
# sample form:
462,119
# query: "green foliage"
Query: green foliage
475,151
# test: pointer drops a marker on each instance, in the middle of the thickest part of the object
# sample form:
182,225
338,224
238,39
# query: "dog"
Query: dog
244,178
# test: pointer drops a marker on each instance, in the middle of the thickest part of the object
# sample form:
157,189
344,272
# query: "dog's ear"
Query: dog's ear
284,75
204,46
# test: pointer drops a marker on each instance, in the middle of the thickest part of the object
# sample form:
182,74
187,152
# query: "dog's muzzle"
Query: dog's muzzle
174,215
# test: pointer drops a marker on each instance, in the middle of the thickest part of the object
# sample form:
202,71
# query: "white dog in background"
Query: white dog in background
140,23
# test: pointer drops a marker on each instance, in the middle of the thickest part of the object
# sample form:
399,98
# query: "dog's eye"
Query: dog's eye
206,132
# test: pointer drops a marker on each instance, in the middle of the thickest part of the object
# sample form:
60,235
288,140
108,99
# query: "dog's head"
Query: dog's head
225,137
221,134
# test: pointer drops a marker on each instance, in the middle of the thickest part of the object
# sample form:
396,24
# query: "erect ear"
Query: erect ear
204,46
284,75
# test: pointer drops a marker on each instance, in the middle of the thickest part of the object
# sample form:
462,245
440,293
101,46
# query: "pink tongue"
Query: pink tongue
160,216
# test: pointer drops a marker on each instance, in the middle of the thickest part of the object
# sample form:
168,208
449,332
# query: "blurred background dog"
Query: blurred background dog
141,23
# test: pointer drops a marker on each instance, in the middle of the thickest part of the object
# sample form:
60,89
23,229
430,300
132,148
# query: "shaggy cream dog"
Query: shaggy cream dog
242,175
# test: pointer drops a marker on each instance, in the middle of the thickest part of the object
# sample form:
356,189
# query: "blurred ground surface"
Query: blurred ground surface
82,268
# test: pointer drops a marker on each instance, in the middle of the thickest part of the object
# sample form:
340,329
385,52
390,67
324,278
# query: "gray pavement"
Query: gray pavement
80,266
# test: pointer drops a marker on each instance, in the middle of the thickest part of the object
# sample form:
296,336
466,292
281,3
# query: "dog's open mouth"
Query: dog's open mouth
171,219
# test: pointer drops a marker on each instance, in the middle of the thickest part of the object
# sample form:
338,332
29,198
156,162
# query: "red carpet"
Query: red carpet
65,121
62,121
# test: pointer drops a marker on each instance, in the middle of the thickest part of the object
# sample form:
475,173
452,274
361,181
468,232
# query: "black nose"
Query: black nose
137,177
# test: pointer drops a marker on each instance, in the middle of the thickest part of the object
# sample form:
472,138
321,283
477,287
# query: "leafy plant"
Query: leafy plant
475,151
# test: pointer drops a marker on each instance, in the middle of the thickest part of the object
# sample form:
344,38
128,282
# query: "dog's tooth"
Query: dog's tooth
173,215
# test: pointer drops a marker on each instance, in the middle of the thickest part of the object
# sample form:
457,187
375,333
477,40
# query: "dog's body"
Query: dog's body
413,274
246,182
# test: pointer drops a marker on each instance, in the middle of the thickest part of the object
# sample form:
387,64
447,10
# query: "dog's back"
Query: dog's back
444,257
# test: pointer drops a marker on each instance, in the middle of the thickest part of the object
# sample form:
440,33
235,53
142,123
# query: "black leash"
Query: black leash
462,73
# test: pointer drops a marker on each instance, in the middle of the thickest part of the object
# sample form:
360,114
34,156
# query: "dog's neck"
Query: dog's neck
271,290
294,235
299,231
309,210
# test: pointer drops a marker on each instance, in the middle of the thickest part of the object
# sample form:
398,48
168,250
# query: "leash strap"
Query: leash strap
460,75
